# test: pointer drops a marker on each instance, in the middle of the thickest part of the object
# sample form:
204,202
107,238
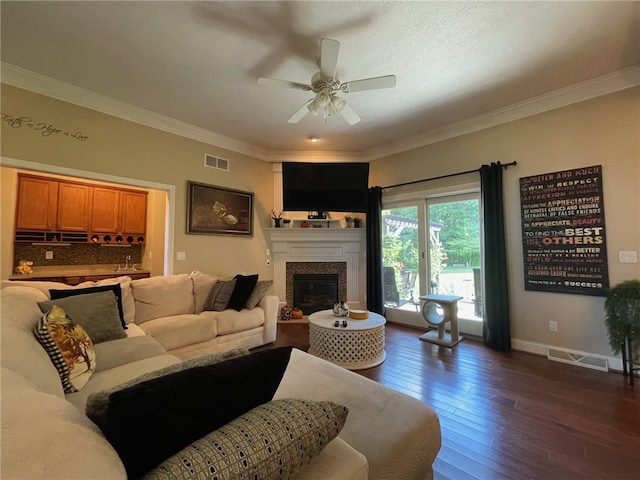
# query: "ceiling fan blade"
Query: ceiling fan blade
301,113
329,50
349,115
272,82
387,81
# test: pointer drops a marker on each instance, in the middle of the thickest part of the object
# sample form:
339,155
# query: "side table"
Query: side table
357,346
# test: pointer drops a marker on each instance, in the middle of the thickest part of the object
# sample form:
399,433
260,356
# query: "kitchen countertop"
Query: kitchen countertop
75,271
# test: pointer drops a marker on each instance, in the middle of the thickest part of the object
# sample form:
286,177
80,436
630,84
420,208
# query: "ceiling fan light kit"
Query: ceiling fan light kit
326,86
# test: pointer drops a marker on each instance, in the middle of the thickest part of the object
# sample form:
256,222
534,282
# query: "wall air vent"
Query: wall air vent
216,162
580,359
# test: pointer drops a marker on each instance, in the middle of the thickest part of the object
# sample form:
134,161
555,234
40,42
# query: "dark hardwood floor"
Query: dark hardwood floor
514,415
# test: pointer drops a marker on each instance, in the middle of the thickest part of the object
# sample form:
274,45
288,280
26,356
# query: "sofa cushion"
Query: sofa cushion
71,292
180,330
259,291
230,321
152,420
270,442
126,350
20,351
97,313
44,436
219,296
128,304
157,297
241,292
202,284
69,347
42,285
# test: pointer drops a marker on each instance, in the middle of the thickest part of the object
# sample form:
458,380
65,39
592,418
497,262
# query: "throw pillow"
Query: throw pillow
152,420
98,402
69,347
272,441
97,313
259,291
244,286
116,289
219,296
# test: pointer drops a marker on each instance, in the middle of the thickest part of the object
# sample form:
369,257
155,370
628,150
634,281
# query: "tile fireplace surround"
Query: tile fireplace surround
326,247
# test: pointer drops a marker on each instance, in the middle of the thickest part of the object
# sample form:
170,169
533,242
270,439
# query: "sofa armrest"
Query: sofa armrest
269,304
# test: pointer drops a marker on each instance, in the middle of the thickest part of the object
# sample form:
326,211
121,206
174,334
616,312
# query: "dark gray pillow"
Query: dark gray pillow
270,442
97,313
219,296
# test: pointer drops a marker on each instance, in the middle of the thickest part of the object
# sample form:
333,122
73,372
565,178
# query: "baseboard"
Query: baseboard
613,363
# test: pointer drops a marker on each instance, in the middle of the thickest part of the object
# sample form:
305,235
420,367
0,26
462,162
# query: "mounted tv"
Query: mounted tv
325,187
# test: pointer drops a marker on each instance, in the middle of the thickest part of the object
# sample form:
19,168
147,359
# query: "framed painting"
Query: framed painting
213,210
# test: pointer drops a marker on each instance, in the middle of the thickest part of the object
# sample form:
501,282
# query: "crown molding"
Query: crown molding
25,79
604,85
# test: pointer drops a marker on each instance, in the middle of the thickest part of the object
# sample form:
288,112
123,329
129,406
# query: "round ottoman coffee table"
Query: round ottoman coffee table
357,346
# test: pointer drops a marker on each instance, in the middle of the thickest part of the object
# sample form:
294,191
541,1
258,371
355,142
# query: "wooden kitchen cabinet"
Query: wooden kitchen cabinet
118,211
133,212
105,212
53,205
74,207
37,203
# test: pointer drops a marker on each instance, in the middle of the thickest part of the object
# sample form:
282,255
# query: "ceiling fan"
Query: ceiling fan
326,86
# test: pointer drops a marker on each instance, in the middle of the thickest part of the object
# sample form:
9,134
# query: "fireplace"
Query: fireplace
319,251
315,292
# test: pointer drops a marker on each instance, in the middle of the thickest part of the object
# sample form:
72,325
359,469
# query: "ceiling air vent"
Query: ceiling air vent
216,162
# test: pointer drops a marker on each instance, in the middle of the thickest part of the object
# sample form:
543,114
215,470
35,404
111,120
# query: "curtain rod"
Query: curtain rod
504,165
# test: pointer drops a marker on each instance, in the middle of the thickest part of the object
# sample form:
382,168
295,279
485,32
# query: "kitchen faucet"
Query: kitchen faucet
128,259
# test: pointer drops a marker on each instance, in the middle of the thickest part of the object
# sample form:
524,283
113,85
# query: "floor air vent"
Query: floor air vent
216,162
577,358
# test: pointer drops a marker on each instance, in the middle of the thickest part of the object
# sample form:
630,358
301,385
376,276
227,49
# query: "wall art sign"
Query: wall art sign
563,232
215,210
44,128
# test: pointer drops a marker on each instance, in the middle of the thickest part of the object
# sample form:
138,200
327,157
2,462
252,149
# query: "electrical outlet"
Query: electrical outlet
268,262
48,255
181,255
628,257
553,326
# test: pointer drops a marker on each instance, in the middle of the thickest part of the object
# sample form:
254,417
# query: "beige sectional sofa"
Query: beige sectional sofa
46,434
170,309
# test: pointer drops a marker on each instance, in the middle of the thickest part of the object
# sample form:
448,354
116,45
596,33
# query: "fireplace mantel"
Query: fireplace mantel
320,245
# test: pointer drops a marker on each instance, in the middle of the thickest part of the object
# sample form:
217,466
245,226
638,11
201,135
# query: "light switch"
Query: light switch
48,255
181,255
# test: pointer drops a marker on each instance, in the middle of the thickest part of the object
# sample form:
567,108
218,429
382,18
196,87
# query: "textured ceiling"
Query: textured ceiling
198,62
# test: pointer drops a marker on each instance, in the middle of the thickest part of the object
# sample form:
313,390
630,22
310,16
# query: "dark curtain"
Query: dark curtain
496,330
375,301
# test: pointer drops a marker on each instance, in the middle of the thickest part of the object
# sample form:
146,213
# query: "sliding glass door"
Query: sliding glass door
432,245
455,251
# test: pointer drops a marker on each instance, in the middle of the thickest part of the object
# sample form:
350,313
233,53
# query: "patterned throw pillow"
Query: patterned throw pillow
259,291
69,347
219,296
271,441
152,420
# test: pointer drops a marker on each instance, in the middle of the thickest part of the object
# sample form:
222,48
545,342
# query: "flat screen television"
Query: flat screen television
325,187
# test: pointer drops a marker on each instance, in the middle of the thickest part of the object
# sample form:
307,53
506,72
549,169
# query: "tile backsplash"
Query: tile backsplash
76,254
